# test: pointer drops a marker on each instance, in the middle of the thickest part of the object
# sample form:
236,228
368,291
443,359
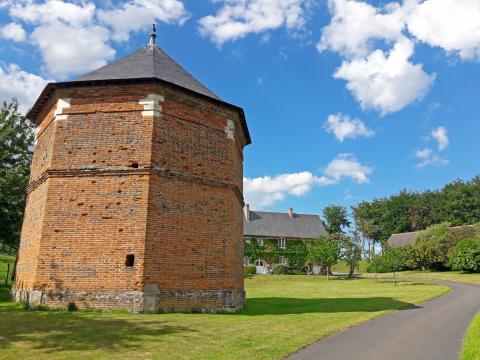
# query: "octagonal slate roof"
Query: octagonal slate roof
148,62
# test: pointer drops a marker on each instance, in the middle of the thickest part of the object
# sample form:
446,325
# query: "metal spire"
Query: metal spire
153,35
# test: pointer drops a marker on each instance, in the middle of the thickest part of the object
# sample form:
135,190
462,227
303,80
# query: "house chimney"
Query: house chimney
246,210
290,213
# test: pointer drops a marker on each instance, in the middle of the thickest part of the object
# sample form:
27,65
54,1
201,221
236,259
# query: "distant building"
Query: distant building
283,228
408,238
403,239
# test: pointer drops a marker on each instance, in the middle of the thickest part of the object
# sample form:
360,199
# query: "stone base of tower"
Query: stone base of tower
149,301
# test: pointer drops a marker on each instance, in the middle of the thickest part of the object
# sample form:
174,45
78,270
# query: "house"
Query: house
284,231
135,196
403,239
408,238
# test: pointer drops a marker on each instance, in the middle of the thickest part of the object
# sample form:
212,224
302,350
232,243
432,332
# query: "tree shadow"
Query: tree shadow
283,306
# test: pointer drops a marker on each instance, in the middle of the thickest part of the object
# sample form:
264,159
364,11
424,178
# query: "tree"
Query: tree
431,247
324,251
16,142
336,218
351,252
465,256
394,259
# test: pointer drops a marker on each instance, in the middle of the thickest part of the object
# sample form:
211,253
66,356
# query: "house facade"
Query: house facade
278,238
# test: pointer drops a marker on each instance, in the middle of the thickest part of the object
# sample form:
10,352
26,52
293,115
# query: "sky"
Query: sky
345,100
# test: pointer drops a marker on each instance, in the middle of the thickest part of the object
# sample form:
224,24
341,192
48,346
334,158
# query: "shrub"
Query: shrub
466,255
249,270
280,269
395,259
378,265
431,248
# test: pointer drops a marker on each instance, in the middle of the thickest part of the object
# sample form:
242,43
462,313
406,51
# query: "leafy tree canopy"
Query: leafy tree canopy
457,203
336,218
16,143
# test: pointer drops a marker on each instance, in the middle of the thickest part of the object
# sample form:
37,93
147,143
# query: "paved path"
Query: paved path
431,331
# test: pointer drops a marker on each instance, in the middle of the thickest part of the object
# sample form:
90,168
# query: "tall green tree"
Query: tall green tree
394,259
324,251
351,252
16,143
336,218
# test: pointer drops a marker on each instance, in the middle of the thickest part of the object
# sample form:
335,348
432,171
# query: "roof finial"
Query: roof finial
153,35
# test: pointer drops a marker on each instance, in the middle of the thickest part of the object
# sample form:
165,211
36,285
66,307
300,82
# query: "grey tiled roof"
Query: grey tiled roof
281,225
148,62
403,239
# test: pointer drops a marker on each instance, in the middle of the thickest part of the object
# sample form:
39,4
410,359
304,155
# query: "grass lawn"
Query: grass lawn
283,314
4,260
471,343
453,276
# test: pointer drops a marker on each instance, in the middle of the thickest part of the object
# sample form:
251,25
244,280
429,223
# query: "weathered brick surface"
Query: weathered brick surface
108,181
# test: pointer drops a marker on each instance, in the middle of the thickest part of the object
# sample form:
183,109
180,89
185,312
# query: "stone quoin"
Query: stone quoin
135,196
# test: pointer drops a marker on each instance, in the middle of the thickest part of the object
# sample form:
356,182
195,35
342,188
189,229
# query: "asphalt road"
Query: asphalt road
431,331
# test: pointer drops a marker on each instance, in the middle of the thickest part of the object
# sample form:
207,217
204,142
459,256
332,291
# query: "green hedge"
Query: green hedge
249,270
280,269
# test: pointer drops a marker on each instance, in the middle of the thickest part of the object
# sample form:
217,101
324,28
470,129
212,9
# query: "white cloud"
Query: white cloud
441,135
73,36
428,157
13,31
16,83
343,127
355,24
450,24
347,166
386,82
364,34
238,18
265,191
424,154
137,15
75,49
54,11
67,36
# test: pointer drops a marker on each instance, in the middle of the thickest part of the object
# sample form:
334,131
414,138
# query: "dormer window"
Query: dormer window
282,243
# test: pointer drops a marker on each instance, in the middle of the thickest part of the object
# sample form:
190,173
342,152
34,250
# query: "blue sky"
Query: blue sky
345,100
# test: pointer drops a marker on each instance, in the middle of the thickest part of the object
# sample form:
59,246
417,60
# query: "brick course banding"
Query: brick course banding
145,169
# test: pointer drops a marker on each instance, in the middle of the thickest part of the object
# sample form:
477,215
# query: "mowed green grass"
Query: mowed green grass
471,344
4,260
283,314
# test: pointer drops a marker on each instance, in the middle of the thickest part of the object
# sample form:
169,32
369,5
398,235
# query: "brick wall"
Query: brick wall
108,181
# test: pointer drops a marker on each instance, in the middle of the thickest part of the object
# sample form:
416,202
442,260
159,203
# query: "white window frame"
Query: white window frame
260,242
246,261
282,243
282,260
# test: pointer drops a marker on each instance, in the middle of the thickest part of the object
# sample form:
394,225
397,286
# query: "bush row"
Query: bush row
439,247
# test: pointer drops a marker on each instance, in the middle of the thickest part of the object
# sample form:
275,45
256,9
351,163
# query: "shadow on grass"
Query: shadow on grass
53,331
283,306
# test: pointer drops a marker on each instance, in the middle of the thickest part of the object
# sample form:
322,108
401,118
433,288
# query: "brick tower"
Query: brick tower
135,195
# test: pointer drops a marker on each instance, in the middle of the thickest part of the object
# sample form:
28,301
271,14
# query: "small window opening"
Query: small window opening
130,260
134,165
